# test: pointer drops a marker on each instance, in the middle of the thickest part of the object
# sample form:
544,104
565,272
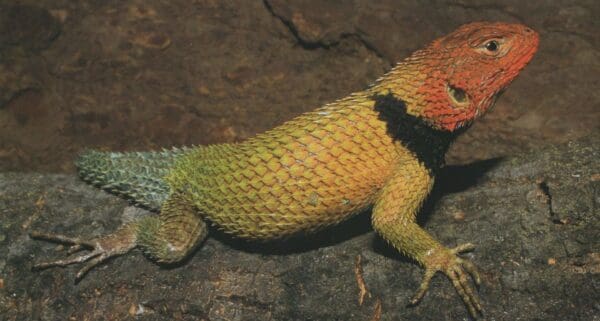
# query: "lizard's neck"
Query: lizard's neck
403,82
401,105
426,143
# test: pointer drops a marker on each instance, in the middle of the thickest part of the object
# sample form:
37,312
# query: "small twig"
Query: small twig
362,287
377,312
39,206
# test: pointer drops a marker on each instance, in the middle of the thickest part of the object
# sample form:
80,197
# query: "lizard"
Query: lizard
377,149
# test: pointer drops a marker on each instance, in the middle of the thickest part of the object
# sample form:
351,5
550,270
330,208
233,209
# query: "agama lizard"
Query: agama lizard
380,147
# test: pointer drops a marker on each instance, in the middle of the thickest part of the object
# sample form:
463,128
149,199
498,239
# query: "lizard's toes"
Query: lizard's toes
77,244
74,260
458,276
101,249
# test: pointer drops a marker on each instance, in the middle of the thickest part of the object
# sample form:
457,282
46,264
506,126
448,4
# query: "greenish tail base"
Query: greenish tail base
135,175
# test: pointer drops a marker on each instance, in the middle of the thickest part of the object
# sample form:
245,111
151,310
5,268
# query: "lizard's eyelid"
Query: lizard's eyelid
494,47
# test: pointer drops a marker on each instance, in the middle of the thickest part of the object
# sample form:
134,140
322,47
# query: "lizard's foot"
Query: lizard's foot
446,261
101,249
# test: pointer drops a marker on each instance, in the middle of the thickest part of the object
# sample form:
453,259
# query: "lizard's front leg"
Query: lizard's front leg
168,237
394,219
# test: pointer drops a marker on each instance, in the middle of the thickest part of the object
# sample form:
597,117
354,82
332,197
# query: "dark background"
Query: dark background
137,75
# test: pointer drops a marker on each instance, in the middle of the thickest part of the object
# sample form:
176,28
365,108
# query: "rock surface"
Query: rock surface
534,219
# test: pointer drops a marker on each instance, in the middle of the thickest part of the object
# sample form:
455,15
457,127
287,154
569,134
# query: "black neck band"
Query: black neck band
428,144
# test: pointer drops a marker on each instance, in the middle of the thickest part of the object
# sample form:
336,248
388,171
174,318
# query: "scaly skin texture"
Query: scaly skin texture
380,147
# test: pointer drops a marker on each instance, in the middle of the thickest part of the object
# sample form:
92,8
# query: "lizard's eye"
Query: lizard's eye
496,47
492,46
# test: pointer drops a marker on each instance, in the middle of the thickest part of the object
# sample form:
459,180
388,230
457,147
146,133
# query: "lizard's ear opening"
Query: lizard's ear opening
458,96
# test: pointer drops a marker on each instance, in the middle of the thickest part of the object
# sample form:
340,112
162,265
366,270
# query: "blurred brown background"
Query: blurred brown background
134,75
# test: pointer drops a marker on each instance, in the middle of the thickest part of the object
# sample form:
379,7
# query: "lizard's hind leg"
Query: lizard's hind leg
168,238
175,233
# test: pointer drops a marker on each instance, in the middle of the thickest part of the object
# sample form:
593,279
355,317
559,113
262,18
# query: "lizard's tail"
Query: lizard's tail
135,175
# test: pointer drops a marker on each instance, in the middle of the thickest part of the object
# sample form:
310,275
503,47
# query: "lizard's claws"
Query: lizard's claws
101,249
456,269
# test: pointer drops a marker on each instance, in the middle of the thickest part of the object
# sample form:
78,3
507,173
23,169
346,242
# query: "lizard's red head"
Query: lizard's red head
467,69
